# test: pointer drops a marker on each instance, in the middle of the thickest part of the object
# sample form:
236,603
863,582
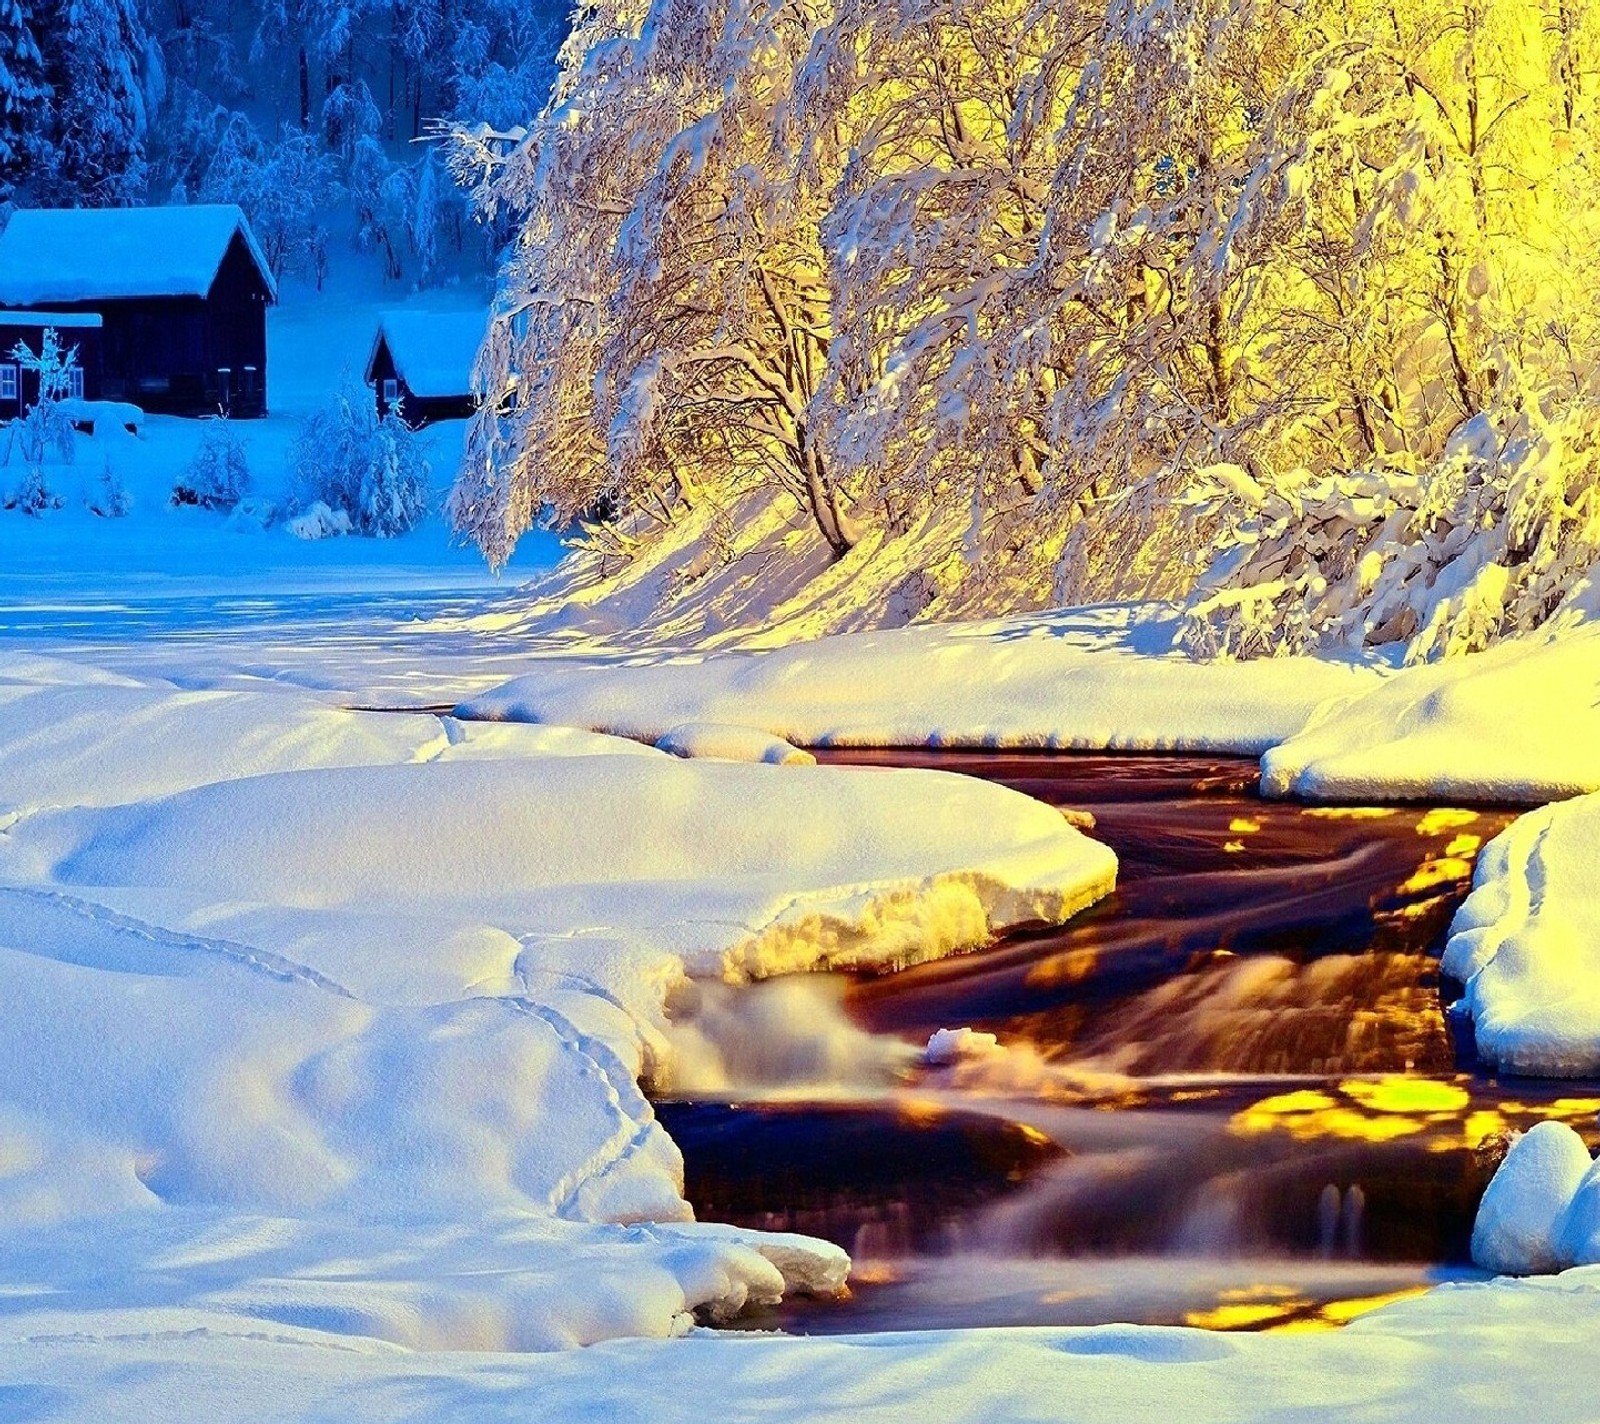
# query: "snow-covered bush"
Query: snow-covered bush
219,475
33,494
374,472
319,522
108,496
44,435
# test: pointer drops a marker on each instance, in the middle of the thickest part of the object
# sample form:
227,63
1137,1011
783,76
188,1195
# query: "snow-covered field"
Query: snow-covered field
321,1092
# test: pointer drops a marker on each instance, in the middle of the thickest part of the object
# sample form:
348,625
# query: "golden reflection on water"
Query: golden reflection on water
1282,1310
1381,1109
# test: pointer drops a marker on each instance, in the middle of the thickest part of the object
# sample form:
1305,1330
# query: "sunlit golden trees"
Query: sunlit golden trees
1092,297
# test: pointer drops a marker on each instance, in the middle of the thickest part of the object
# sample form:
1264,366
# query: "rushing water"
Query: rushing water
1228,1095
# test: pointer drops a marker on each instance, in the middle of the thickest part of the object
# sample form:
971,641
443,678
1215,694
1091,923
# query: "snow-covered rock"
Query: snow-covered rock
1522,1217
952,1045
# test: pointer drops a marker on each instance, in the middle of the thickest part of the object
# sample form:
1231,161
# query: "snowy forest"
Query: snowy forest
910,309
303,112
955,306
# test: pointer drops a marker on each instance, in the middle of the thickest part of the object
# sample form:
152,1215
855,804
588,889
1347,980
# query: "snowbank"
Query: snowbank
295,991
1520,722
725,743
1071,679
1527,944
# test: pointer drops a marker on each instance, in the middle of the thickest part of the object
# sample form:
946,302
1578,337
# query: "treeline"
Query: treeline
293,108
1285,309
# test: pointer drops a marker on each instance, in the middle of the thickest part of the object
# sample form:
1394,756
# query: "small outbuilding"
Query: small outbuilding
181,294
421,364
78,332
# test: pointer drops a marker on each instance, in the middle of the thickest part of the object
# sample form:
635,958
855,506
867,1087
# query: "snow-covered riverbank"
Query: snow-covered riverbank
328,1024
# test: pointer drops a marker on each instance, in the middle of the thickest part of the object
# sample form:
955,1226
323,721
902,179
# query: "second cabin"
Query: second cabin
421,364
180,295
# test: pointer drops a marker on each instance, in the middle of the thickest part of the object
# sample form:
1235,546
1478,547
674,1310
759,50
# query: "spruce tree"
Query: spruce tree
98,60
24,95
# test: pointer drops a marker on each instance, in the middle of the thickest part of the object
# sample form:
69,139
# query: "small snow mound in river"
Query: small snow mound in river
953,1045
1522,1226
723,741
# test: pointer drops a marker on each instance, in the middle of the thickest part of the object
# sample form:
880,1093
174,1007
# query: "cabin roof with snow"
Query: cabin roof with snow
111,254
433,352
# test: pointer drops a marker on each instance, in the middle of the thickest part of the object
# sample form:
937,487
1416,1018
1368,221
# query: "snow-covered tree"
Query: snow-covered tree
219,475
1092,296
285,187
107,77
24,94
373,472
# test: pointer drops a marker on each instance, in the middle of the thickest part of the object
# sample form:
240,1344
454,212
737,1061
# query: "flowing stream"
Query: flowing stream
1228,1095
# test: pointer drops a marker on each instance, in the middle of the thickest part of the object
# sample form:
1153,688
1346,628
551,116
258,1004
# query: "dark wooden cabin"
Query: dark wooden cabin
182,293
78,331
421,364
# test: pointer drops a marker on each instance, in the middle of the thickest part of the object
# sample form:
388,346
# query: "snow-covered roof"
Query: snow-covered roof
46,318
86,254
433,351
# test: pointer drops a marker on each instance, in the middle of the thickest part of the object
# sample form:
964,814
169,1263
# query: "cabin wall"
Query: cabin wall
381,369
236,315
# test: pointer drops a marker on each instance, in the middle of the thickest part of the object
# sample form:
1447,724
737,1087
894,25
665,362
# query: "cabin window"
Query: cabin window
8,383
391,392
75,382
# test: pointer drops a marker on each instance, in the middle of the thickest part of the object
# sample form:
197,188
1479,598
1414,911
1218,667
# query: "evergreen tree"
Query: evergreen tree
24,95
104,69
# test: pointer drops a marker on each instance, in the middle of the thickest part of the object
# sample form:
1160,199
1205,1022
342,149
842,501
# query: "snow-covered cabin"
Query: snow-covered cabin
422,362
79,332
181,292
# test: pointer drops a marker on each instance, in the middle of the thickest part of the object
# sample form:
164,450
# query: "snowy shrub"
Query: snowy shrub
108,496
374,472
251,515
219,475
44,434
319,522
33,495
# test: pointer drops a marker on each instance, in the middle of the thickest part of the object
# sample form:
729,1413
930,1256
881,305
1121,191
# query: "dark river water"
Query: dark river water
1229,1095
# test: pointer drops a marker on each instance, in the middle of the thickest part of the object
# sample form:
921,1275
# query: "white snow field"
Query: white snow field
1519,722
1083,678
320,1092
1468,1354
